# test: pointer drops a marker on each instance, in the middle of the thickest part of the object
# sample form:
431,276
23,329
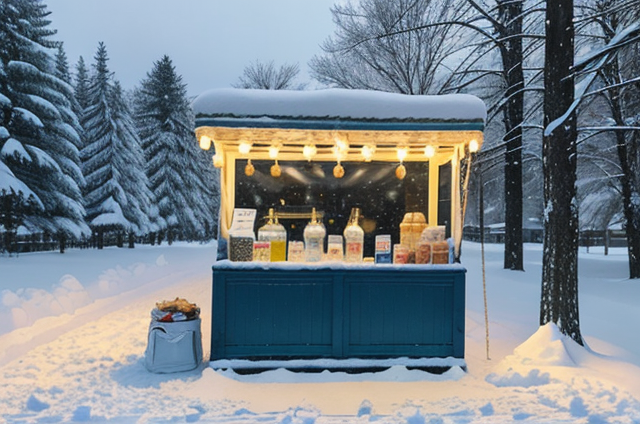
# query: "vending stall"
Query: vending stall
341,216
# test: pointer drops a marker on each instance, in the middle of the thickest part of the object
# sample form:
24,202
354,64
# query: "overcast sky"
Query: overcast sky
209,41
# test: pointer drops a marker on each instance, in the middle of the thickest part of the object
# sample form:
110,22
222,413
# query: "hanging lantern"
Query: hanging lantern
249,170
401,172
205,142
275,170
474,146
338,171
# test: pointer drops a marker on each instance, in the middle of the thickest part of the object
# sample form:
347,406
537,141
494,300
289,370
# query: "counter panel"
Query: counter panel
280,312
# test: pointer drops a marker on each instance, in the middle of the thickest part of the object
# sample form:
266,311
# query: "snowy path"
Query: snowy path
89,367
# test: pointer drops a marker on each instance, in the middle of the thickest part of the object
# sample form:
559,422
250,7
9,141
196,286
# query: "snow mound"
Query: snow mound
515,379
546,347
25,306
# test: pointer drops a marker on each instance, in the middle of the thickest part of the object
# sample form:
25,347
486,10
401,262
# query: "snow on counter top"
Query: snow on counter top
332,265
338,104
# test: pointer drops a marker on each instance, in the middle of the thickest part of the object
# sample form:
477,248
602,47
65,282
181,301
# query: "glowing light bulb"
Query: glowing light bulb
474,146
244,148
205,142
429,151
367,152
309,151
218,161
402,153
273,151
341,143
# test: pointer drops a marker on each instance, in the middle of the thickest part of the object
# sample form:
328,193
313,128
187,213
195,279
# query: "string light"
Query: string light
205,142
274,149
429,151
244,148
402,153
218,160
309,151
367,152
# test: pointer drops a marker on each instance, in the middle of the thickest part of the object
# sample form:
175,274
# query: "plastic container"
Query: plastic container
314,234
335,249
423,252
241,237
276,235
354,238
400,254
261,251
433,234
296,251
411,229
241,247
440,252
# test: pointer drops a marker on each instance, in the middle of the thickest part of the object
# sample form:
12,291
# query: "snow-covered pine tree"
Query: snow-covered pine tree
81,85
62,65
181,176
41,147
117,194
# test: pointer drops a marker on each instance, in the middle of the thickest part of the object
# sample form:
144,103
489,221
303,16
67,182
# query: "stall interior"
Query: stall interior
383,199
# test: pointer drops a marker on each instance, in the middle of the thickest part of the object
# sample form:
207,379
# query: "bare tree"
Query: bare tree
510,29
385,45
559,294
266,76
613,67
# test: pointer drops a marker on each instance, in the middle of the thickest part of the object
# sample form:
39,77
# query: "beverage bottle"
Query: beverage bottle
354,238
274,233
314,234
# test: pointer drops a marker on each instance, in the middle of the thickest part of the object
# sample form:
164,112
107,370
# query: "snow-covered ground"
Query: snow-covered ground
73,331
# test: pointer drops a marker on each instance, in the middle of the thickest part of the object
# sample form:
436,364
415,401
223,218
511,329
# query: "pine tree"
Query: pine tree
62,65
81,84
117,193
41,149
181,176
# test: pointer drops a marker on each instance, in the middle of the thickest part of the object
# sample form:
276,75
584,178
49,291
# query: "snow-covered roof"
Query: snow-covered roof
337,109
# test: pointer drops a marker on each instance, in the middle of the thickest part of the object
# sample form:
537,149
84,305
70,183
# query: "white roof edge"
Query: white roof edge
338,104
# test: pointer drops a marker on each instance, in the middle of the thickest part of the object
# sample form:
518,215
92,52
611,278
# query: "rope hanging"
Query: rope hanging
465,192
484,279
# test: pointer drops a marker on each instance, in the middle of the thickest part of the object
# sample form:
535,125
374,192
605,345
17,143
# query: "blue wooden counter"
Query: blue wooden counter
334,310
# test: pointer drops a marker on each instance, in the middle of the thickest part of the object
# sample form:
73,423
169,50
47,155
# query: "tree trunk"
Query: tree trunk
559,299
511,51
131,240
100,238
62,241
